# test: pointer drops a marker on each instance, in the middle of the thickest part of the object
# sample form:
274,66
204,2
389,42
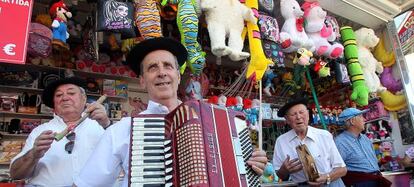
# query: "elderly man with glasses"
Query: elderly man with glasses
358,153
320,143
45,162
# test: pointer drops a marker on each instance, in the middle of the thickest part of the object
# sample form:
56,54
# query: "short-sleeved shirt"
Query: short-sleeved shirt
112,153
57,167
357,152
320,144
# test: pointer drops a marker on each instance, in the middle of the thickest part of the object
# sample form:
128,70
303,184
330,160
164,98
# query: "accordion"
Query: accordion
197,144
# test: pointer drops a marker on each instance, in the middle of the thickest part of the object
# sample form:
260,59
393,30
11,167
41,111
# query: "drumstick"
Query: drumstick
68,129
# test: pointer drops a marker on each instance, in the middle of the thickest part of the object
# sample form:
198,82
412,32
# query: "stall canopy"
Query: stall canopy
369,13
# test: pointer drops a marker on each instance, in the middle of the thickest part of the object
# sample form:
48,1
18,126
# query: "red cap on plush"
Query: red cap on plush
52,9
231,101
247,103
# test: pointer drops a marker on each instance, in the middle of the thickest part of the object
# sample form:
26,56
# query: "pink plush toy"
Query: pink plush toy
292,35
319,33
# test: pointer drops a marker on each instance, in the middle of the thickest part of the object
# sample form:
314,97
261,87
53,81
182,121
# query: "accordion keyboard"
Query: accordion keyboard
147,153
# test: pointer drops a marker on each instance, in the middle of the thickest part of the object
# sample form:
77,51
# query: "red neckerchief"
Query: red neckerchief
299,24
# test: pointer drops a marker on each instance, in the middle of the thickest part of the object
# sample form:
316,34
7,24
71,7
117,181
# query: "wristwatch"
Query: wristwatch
328,179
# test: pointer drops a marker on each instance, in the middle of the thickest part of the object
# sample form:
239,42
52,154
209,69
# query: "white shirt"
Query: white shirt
57,167
112,153
320,144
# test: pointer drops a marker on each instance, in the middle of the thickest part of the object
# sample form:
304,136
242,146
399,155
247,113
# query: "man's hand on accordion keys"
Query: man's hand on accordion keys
258,161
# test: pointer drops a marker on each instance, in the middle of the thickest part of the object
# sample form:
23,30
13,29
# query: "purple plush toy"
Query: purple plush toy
388,81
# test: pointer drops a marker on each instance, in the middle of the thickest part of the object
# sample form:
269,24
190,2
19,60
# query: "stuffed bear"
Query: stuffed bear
367,39
226,18
319,33
292,35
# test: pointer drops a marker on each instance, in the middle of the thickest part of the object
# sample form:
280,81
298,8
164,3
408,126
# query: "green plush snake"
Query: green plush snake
359,88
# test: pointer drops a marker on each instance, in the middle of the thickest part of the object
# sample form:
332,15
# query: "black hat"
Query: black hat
282,111
49,91
139,51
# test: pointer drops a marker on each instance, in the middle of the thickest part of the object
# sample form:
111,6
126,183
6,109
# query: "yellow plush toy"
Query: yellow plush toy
393,102
258,61
381,54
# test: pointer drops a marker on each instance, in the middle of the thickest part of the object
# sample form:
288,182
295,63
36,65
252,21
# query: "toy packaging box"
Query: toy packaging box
121,88
109,87
8,102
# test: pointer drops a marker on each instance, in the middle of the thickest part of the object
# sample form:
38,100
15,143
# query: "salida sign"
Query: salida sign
15,21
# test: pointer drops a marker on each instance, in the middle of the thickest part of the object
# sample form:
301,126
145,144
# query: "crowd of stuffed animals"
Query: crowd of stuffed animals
308,37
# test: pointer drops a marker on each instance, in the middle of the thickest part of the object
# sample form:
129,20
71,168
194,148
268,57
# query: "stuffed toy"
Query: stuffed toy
381,54
292,35
359,89
319,33
222,101
44,19
367,39
321,68
187,21
252,114
393,102
147,18
268,82
226,18
388,80
269,175
258,61
193,90
385,148
169,12
60,14
303,57
239,105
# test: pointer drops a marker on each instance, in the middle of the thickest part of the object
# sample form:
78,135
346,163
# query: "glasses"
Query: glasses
69,146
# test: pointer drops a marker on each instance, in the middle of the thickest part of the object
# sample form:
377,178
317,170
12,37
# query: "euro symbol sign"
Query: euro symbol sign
9,49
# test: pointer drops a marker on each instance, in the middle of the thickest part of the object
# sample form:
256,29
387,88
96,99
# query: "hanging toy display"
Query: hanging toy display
359,88
225,19
187,21
258,61
319,32
366,39
147,18
60,14
292,35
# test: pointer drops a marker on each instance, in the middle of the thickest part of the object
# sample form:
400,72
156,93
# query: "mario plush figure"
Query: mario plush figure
60,13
